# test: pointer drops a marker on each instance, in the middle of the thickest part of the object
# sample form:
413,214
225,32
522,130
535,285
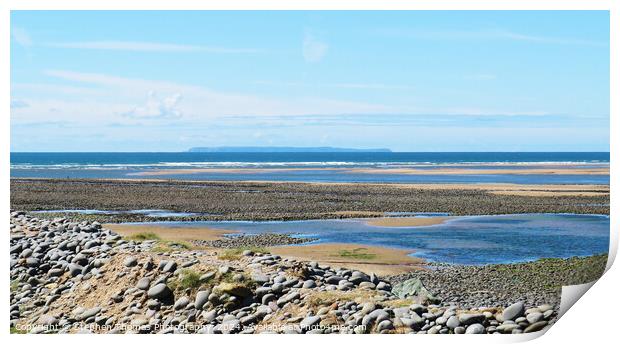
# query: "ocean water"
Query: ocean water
310,167
474,240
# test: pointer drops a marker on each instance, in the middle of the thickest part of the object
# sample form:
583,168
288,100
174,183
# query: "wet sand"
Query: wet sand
407,221
380,260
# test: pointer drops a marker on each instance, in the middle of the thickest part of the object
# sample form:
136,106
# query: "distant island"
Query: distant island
251,149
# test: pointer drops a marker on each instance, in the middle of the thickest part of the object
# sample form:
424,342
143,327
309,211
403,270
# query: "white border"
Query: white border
592,319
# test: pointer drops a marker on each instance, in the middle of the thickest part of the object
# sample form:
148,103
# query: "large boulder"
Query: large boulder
414,289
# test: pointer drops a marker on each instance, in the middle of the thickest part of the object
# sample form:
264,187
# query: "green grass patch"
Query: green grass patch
171,246
17,331
357,253
144,236
188,279
14,285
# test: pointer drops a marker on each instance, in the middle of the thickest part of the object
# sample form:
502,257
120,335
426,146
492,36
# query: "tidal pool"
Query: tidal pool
474,240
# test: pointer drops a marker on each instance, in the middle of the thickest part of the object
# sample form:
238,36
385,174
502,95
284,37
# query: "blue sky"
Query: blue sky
408,80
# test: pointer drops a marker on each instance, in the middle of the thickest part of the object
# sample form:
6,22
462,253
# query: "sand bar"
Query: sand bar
380,260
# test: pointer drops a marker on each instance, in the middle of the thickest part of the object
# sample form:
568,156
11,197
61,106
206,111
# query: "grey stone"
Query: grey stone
537,326
159,292
260,277
130,261
201,299
474,329
89,313
375,316
385,325
534,317
453,322
471,318
334,279
74,269
171,266
143,283
181,303
309,322
47,320
309,284
513,311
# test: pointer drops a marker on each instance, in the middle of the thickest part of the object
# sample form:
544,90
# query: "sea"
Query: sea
313,167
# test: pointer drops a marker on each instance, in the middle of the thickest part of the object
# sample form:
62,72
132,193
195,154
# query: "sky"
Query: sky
404,80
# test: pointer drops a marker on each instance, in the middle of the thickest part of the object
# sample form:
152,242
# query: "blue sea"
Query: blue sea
312,167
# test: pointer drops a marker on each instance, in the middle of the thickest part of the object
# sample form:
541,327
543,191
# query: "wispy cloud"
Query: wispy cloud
21,36
492,34
199,102
156,107
150,47
313,49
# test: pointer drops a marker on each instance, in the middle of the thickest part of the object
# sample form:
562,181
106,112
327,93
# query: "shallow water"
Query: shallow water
464,240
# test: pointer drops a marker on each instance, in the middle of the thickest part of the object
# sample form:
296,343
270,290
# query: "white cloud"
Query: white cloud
313,49
21,36
157,108
150,47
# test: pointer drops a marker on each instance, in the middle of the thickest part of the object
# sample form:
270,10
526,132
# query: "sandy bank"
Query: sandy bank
407,221
168,232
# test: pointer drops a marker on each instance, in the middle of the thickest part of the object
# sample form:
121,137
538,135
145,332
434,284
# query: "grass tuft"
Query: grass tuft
188,279
144,236
357,253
